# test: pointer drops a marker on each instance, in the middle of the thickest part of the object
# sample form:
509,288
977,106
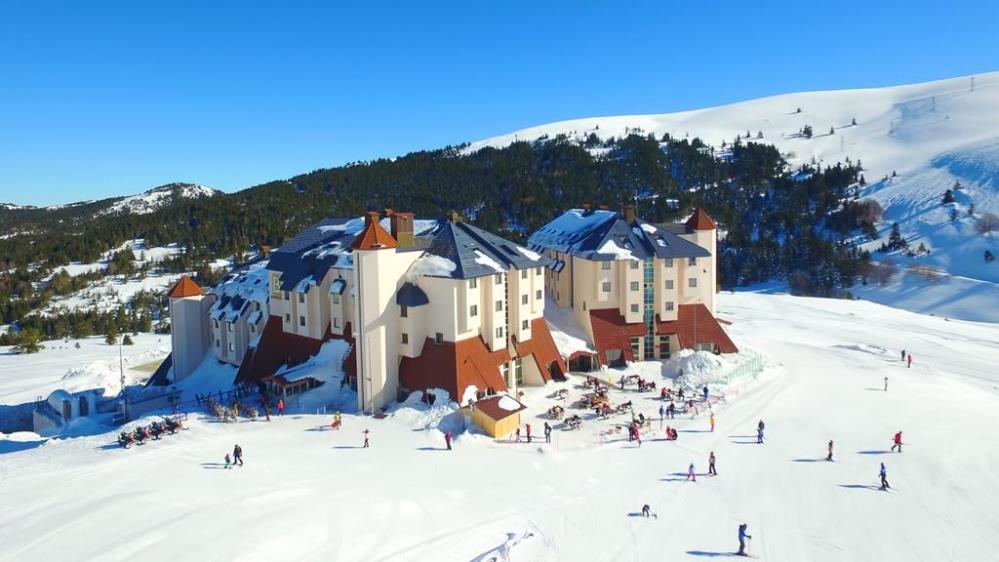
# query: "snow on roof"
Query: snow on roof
487,261
649,228
611,248
528,253
509,404
433,266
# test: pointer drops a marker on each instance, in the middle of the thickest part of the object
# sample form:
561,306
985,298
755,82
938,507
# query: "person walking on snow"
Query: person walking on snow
518,434
705,393
690,473
366,434
711,464
886,384
662,414
712,421
743,535
337,420
897,441
909,360
548,433
646,511
237,455
671,410
447,440
829,456
228,463
280,407
528,433
903,355
884,477
759,432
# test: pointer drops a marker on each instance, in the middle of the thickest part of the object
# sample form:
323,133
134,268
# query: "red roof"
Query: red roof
454,366
185,287
374,237
276,348
701,220
696,325
542,347
610,331
490,407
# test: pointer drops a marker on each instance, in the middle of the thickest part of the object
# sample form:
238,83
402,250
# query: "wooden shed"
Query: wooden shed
497,416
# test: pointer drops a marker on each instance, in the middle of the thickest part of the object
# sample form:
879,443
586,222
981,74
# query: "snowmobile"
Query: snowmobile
156,429
125,439
172,425
140,434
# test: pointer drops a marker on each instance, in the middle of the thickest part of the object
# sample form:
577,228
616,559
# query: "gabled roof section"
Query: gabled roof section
312,252
185,287
411,295
374,237
477,253
605,235
701,220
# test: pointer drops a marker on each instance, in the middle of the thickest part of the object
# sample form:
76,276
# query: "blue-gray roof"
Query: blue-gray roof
604,235
411,295
315,250
477,253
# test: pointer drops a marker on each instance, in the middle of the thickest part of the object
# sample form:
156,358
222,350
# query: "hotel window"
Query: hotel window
287,318
634,285
336,322
229,326
498,278
217,343
668,262
336,299
499,306
606,287
518,371
232,346
692,282
473,283
669,284
438,338
634,308
691,261
404,311
301,297
216,323
605,265
287,296
523,274
405,338
499,332
664,347
524,324
537,294
537,271
253,329
634,264
301,321
523,299
669,305
473,310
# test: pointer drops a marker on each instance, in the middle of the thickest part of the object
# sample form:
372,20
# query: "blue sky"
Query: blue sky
106,98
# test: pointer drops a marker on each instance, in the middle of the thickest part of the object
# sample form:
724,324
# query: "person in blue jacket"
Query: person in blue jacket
705,393
884,477
743,535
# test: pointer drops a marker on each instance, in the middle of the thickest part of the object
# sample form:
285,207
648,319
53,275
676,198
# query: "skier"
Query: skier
705,393
711,464
903,355
228,463
690,473
646,510
366,435
884,477
528,433
669,433
267,411
662,413
671,410
336,420
518,434
909,359
548,433
829,456
237,455
712,420
447,440
898,440
886,384
281,407
759,432
743,535
662,394
679,395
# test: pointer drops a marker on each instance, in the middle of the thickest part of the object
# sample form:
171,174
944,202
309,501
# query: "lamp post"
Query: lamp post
121,369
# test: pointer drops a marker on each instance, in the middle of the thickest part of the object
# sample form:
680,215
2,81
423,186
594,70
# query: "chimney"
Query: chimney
629,214
265,250
603,207
372,216
454,216
402,228
587,209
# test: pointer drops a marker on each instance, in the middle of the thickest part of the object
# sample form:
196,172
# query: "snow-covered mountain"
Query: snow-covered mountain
159,197
933,135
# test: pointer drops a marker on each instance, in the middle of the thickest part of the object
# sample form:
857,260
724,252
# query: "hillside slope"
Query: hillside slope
932,135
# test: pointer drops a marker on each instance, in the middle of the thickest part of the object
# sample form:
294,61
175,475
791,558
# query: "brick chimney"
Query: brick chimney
402,228
454,216
629,214
372,216
587,209
602,207
265,250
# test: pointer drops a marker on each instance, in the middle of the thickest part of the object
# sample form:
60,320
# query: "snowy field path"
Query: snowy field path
311,494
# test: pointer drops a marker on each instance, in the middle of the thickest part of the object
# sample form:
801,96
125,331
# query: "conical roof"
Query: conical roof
185,287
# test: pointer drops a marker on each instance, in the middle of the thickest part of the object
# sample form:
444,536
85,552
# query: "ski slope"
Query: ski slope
312,494
931,135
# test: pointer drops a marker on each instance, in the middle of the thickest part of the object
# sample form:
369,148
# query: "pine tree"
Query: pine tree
895,239
111,332
948,197
127,340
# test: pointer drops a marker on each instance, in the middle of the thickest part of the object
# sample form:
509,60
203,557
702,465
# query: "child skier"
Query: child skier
759,432
366,435
886,384
829,456
711,464
548,433
228,463
884,477
743,535
690,473
898,440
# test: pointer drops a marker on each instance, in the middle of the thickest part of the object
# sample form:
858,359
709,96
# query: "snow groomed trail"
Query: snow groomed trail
307,493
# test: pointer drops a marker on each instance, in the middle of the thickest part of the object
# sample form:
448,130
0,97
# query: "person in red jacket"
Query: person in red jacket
909,360
281,407
898,440
528,433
